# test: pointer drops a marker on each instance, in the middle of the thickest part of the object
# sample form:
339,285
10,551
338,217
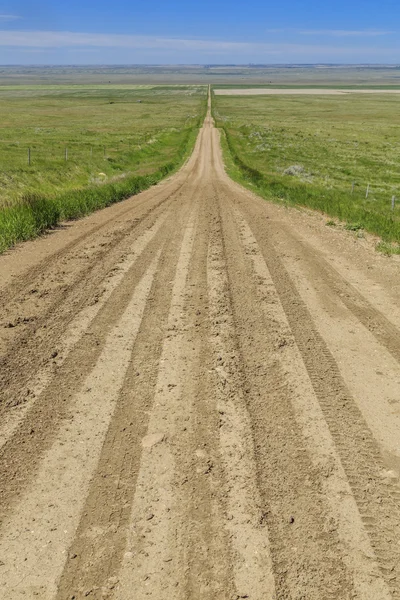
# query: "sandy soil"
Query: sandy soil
297,91
199,400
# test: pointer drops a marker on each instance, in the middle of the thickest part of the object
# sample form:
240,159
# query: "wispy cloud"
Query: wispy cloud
336,32
346,32
4,18
200,48
65,39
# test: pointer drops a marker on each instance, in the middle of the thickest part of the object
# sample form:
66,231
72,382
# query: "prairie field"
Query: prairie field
80,135
320,151
223,75
68,150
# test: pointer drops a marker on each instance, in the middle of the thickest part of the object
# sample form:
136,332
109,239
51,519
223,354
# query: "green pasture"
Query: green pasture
321,152
66,151
80,135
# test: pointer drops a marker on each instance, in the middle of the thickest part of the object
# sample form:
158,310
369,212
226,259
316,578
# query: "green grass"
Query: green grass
111,130
117,147
310,150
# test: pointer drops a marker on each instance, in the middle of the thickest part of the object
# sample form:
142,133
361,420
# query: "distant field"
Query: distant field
225,75
299,91
84,135
312,149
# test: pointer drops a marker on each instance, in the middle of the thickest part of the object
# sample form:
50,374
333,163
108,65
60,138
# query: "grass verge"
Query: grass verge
331,202
35,213
338,155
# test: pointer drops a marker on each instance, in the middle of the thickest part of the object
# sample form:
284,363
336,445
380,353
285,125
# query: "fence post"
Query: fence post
66,153
29,156
91,151
393,201
352,188
366,195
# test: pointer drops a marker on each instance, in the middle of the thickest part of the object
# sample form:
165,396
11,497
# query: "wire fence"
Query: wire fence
373,196
20,156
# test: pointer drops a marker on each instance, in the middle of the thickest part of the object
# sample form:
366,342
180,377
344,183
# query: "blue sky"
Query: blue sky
198,32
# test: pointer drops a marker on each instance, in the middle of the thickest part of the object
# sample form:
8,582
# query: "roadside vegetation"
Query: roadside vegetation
321,152
66,151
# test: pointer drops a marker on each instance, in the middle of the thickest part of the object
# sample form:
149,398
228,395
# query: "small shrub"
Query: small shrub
353,226
388,249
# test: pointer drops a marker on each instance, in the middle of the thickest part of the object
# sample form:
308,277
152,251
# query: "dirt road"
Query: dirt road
199,400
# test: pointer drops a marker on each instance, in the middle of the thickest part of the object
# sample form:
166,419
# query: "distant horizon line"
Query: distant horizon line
204,65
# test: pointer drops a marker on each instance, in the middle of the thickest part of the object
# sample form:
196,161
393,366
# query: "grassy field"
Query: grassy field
114,131
89,146
310,150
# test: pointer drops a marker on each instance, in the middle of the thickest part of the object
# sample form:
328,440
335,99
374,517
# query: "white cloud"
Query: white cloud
63,39
346,33
9,17
335,32
201,49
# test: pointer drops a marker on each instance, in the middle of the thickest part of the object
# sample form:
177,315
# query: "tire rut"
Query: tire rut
356,548
36,309
153,563
207,556
305,549
44,323
68,464
76,329
100,541
31,348
381,328
22,453
244,517
377,497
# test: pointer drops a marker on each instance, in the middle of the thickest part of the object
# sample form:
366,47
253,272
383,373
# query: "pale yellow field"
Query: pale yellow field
297,91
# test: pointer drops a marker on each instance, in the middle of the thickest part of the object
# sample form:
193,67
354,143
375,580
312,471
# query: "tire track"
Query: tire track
152,564
29,349
101,537
358,553
100,540
22,453
381,328
76,329
53,503
305,549
377,496
41,314
244,518
370,372
206,547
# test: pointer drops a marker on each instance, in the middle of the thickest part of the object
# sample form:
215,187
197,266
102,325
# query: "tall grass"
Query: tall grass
311,151
80,135
35,213
330,201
